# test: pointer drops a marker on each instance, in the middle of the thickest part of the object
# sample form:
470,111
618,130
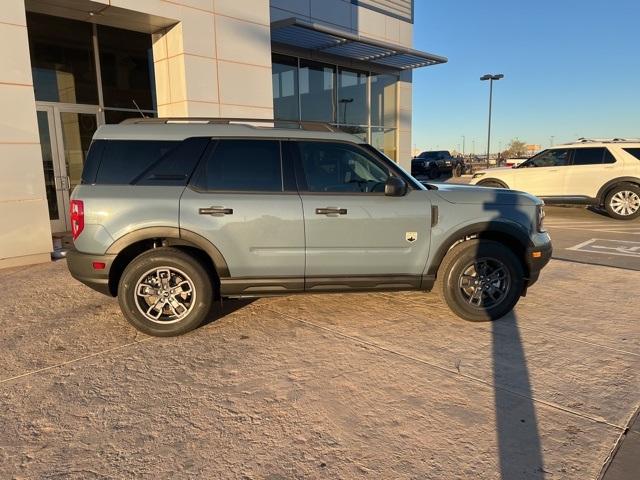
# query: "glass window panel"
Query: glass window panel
243,165
77,133
317,98
125,160
352,97
285,87
62,60
126,65
548,158
383,100
337,167
384,139
361,132
47,164
632,151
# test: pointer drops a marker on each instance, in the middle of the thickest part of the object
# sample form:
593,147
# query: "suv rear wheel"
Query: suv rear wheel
480,280
623,202
165,292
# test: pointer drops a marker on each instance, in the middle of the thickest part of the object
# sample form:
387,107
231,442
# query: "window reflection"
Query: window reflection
62,60
384,139
126,67
352,97
317,98
383,100
285,88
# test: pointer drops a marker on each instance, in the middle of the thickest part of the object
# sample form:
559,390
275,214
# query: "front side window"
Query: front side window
242,165
341,168
549,158
588,156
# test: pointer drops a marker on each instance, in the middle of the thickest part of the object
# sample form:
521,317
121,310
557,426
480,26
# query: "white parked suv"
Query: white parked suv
603,173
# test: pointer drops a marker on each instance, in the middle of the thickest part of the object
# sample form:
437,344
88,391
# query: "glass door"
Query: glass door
65,136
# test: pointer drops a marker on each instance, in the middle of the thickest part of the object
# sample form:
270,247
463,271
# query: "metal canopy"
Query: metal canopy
320,38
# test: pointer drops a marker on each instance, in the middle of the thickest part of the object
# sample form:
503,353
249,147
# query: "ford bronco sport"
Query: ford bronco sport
173,214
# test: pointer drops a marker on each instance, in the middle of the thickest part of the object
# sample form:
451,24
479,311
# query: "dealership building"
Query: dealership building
70,66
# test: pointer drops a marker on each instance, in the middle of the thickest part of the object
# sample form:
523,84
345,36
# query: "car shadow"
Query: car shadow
220,309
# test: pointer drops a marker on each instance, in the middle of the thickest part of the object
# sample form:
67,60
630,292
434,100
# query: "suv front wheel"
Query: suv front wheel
480,280
165,292
623,202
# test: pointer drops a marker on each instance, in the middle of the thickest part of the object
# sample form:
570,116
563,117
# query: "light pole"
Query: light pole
551,139
463,139
491,78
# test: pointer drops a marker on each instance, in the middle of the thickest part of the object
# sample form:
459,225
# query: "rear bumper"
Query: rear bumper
537,258
80,266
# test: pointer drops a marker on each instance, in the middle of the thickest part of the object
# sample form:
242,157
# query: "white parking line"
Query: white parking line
625,248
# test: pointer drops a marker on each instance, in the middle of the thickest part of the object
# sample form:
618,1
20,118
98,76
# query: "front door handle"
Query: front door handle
216,211
331,211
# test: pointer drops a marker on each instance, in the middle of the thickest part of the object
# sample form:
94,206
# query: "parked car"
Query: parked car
433,163
171,216
602,173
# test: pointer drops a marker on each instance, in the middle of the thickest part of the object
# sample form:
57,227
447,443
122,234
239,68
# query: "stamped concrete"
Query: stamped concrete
323,386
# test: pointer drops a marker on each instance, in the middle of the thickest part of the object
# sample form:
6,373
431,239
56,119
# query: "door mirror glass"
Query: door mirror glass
395,187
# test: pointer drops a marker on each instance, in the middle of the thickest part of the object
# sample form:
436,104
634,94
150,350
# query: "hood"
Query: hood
484,195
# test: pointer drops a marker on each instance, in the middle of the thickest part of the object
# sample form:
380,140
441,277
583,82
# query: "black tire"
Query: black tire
492,184
182,271
454,274
623,202
457,170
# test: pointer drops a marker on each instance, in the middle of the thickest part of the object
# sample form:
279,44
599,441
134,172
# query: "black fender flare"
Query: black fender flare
602,193
502,227
174,236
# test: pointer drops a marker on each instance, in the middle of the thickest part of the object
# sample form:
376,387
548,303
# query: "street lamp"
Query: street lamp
463,140
491,78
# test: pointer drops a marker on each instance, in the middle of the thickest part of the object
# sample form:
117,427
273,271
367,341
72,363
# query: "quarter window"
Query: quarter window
588,156
633,151
123,161
243,165
335,167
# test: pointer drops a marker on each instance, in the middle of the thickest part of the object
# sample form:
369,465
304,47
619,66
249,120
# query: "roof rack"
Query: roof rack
607,140
301,125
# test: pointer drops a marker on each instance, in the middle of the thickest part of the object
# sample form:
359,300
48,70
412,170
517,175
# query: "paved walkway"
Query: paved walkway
323,386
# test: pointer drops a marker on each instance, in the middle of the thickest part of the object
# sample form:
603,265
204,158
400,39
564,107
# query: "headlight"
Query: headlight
540,218
477,175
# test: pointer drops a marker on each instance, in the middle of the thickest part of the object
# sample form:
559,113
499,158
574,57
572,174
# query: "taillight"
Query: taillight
77,217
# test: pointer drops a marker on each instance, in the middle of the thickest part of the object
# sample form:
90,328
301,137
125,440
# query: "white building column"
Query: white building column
25,232
216,62
404,120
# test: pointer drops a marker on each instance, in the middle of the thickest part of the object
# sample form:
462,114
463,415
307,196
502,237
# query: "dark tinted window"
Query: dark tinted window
633,151
549,158
337,167
588,156
62,60
317,94
126,64
285,87
175,167
123,161
243,165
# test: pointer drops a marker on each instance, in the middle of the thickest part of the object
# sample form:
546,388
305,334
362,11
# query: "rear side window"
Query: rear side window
242,165
588,156
124,161
176,166
633,151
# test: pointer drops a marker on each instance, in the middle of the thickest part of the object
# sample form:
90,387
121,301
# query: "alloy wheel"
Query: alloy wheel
485,283
625,203
165,295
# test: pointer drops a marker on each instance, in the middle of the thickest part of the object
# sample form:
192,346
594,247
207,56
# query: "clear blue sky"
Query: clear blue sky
572,69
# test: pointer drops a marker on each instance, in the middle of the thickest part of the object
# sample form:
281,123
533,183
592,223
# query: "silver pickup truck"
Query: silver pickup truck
172,215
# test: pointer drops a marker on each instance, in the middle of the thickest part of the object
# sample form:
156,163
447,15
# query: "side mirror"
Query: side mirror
395,187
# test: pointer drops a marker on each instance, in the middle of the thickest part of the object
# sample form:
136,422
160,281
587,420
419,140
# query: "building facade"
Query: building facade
72,65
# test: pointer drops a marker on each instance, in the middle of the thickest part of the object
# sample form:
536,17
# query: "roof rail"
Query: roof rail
607,140
301,125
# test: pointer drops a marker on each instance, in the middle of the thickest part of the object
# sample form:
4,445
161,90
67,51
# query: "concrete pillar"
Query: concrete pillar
216,62
25,233
404,120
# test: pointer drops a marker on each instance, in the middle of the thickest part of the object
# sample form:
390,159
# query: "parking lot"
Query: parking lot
322,386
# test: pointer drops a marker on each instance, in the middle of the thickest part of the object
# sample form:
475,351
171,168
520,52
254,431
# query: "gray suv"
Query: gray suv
174,214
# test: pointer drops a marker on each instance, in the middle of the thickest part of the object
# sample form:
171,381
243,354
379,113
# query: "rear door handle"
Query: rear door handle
331,211
216,211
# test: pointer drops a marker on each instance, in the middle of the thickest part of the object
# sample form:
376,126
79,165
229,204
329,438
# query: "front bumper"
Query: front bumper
537,258
81,267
